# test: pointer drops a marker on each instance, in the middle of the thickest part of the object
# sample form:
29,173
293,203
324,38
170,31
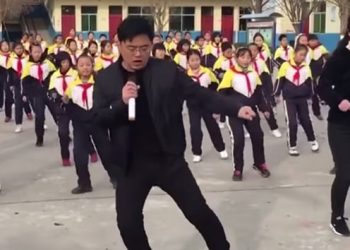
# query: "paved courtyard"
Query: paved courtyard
289,211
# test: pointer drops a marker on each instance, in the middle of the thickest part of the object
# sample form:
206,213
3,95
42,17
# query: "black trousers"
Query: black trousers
9,100
316,108
63,122
82,133
19,104
238,141
267,88
195,116
174,177
298,109
2,89
339,142
39,104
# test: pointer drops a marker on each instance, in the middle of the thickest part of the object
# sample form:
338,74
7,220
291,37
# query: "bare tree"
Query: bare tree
159,10
258,5
298,11
4,9
344,11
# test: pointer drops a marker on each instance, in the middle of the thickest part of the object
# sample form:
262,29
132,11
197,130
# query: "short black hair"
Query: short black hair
133,26
253,45
258,34
198,38
281,37
157,46
226,46
300,47
242,51
182,43
193,52
312,37
104,44
69,41
103,35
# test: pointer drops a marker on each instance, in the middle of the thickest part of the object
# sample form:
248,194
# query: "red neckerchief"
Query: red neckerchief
40,73
107,59
230,61
198,77
296,76
7,56
255,64
85,87
285,51
249,85
19,66
64,82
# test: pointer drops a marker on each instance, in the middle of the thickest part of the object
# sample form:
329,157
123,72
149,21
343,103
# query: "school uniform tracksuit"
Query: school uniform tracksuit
212,53
267,89
317,61
246,87
4,59
283,54
15,68
295,85
35,81
80,112
206,79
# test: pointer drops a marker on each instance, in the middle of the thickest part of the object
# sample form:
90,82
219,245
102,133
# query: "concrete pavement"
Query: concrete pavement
289,211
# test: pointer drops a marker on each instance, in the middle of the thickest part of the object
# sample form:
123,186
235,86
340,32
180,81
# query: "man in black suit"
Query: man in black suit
150,150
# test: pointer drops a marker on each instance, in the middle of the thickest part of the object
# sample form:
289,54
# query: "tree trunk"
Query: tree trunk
297,27
258,6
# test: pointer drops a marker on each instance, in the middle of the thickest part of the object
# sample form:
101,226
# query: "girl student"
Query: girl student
35,80
78,97
242,82
16,65
107,56
182,49
295,85
5,92
199,45
59,82
205,78
264,50
261,68
213,50
92,50
57,46
72,49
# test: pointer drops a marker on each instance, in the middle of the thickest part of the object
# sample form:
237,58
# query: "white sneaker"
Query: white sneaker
45,127
197,158
223,155
18,129
221,125
276,133
293,151
314,146
246,135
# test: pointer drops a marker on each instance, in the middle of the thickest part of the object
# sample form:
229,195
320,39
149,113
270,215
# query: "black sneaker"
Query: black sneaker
264,172
339,226
81,190
39,143
237,176
333,170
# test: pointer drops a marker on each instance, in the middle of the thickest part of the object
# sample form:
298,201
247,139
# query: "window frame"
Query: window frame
182,15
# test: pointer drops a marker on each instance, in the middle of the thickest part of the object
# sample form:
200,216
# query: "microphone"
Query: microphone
132,101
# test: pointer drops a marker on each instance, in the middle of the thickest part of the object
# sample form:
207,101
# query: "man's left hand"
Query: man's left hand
246,113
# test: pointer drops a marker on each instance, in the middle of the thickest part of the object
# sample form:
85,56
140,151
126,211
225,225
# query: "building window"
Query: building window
181,18
88,18
115,10
243,22
320,18
145,12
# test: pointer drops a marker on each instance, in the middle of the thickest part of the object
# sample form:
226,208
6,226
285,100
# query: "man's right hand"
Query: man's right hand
246,113
344,105
129,91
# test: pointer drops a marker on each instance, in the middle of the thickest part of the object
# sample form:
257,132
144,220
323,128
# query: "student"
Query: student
157,39
80,42
159,51
106,58
35,80
72,50
167,45
207,38
102,38
174,45
115,44
284,52
92,50
57,46
225,61
4,88
213,50
181,57
25,41
295,85
206,78
318,55
72,35
260,67
40,39
59,82
78,98
188,37
16,64
264,50
243,83
199,45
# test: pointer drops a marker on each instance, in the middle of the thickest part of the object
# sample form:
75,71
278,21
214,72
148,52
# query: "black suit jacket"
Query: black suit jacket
166,87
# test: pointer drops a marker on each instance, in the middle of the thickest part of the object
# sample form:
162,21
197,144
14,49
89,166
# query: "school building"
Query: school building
51,17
